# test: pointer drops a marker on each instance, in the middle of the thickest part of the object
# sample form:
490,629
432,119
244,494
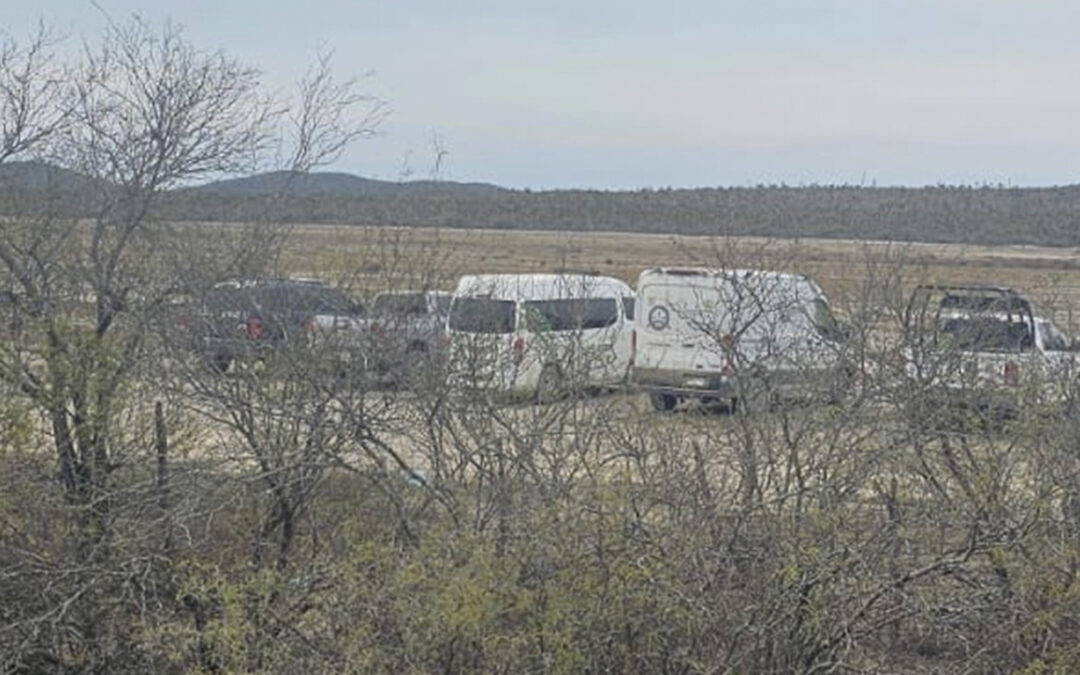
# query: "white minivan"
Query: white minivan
540,334
711,334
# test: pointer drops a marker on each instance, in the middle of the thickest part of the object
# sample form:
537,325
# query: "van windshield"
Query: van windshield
824,320
482,315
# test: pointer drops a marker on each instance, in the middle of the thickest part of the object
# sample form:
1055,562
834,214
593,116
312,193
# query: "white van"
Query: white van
721,334
540,334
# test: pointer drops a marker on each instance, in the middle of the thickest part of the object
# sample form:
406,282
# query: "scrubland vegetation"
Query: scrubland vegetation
158,515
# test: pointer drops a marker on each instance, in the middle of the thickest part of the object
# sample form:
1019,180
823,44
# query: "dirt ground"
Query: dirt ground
400,256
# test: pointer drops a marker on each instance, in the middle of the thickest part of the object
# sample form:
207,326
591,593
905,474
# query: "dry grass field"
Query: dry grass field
1051,276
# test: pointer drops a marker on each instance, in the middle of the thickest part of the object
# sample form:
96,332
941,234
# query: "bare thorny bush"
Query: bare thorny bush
141,112
296,511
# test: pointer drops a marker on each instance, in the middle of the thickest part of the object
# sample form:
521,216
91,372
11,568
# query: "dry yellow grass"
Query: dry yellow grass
402,256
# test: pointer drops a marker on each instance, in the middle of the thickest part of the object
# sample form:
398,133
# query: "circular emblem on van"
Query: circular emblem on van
659,317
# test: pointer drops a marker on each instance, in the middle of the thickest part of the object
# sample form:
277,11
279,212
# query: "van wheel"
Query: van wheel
549,386
415,366
663,402
221,361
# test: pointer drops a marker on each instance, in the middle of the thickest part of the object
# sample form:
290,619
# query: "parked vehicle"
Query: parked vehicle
709,334
540,334
405,331
249,319
983,348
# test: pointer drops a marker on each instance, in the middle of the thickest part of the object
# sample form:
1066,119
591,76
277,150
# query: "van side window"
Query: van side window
482,315
628,307
573,314
599,313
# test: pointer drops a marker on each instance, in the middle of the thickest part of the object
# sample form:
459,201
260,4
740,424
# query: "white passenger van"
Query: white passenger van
711,334
540,334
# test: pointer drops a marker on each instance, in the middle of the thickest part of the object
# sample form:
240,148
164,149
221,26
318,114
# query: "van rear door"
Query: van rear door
681,324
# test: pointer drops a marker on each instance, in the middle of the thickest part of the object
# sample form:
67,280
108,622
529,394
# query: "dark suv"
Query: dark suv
249,319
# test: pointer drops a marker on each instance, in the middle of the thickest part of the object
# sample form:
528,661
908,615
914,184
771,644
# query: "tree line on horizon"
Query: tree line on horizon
943,214
992,216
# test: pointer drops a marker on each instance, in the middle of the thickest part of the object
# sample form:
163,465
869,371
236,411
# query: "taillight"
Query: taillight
1011,372
518,348
253,326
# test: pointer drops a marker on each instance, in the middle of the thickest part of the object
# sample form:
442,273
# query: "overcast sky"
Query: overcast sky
628,94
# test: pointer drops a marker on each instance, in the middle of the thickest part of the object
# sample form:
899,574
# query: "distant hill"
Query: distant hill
339,184
41,177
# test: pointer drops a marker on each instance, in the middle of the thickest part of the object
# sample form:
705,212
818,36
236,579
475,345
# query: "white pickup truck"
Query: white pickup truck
982,348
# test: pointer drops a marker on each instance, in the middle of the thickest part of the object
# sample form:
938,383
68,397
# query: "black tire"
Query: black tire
663,402
416,348
549,386
757,395
220,361
415,366
843,385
